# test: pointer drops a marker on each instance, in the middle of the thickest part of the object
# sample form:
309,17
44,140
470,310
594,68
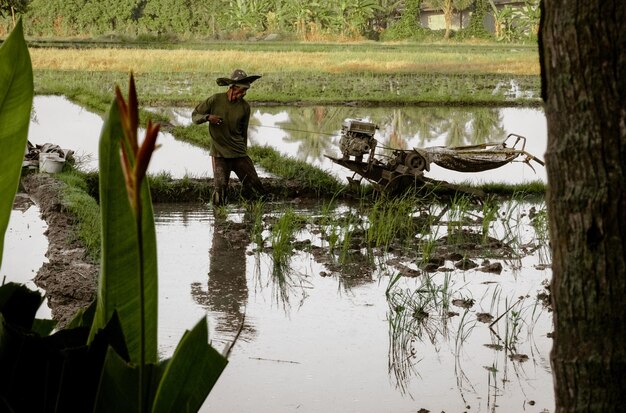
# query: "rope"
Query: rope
293,130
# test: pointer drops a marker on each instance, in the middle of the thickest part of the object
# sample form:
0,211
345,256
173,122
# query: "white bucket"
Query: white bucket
51,163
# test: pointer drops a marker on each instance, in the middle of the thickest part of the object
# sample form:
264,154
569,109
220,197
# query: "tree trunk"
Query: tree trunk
583,64
447,17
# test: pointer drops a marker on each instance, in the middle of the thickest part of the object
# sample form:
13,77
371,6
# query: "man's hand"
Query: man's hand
215,120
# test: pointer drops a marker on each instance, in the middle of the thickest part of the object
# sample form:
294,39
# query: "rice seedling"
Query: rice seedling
513,328
221,212
347,230
254,213
409,322
515,315
282,233
511,222
539,222
464,330
457,218
490,214
391,219
419,313
428,240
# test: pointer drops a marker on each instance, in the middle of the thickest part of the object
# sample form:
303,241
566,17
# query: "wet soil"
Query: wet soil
69,277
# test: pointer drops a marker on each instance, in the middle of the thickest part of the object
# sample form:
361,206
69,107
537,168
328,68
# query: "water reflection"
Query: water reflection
310,129
337,319
226,290
309,133
57,120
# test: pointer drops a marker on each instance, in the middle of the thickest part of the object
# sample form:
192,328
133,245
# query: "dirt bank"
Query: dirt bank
69,277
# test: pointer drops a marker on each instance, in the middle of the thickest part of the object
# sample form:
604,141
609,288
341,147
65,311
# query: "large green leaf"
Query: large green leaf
191,373
43,373
16,100
19,305
119,287
118,389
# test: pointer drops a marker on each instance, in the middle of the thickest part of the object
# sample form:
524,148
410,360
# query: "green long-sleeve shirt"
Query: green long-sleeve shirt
230,139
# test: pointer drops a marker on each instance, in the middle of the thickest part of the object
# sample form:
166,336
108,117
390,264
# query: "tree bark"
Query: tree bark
583,64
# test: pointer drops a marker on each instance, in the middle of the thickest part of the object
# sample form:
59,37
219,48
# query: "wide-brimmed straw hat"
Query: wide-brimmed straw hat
238,78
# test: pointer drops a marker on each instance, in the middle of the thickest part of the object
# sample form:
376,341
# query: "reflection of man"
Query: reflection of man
227,287
228,115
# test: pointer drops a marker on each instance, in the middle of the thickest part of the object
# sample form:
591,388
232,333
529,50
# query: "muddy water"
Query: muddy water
59,121
309,133
25,246
319,342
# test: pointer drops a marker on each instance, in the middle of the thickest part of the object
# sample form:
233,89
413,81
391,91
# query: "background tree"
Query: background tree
113,16
408,25
387,12
448,7
504,22
55,17
207,17
528,19
355,16
476,26
162,17
12,8
584,87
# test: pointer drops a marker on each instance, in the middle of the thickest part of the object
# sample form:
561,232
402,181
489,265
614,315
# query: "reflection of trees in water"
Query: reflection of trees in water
461,126
227,290
465,126
310,127
393,129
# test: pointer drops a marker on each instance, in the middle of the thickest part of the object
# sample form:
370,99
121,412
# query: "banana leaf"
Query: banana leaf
41,373
191,373
179,384
16,100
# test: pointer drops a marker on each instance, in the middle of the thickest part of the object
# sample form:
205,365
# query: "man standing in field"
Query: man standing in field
228,115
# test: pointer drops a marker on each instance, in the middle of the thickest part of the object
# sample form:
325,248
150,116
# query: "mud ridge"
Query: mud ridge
69,277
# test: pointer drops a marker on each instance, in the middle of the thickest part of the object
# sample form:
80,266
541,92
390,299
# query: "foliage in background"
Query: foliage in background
171,20
476,26
11,8
448,7
407,26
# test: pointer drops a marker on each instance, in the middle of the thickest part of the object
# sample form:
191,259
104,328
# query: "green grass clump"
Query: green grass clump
78,202
289,168
391,219
197,135
534,189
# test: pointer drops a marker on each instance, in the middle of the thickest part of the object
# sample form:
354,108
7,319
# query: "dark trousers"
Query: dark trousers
243,168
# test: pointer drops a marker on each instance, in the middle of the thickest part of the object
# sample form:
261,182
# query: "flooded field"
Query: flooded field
327,319
309,133
322,334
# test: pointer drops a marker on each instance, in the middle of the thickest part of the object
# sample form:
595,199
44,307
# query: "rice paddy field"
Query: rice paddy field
398,305
359,73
